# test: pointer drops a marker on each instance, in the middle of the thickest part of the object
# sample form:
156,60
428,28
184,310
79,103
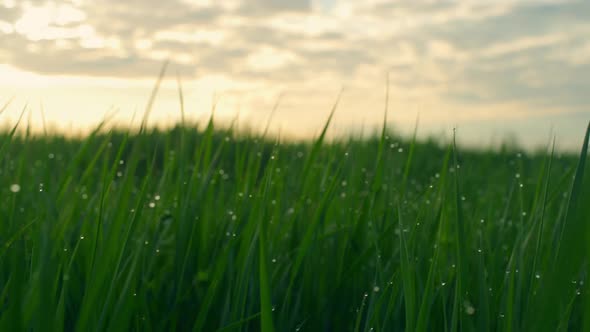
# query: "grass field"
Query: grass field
205,229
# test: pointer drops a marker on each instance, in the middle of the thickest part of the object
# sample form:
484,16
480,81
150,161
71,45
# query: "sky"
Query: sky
496,70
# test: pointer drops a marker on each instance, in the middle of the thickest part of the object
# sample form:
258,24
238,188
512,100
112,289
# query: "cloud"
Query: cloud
462,53
265,7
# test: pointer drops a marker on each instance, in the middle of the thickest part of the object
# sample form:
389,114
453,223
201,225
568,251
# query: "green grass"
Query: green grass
205,229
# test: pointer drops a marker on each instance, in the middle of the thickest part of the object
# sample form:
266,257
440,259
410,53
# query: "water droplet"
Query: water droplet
443,283
274,260
146,243
376,289
482,221
15,188
121,162
119,174
538,276
51,156
400,150
152,205
82,237
469,309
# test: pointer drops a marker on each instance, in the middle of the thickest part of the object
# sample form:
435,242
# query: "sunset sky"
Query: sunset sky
491,68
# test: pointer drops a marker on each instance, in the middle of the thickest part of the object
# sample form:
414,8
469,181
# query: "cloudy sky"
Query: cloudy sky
493,68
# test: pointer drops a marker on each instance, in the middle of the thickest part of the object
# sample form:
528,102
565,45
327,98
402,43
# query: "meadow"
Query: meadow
205,228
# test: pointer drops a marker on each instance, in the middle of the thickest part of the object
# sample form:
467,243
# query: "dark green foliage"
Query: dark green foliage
206,229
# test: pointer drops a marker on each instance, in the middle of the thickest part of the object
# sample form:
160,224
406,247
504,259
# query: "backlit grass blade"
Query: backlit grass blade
150,103
557,288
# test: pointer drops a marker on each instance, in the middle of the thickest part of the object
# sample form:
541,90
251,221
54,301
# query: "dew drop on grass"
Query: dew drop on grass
81,237
51,156
538,276
152,205
84,196
376,289
274,260
469,309
15,188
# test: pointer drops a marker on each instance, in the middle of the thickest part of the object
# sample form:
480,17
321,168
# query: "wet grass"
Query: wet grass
204,229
